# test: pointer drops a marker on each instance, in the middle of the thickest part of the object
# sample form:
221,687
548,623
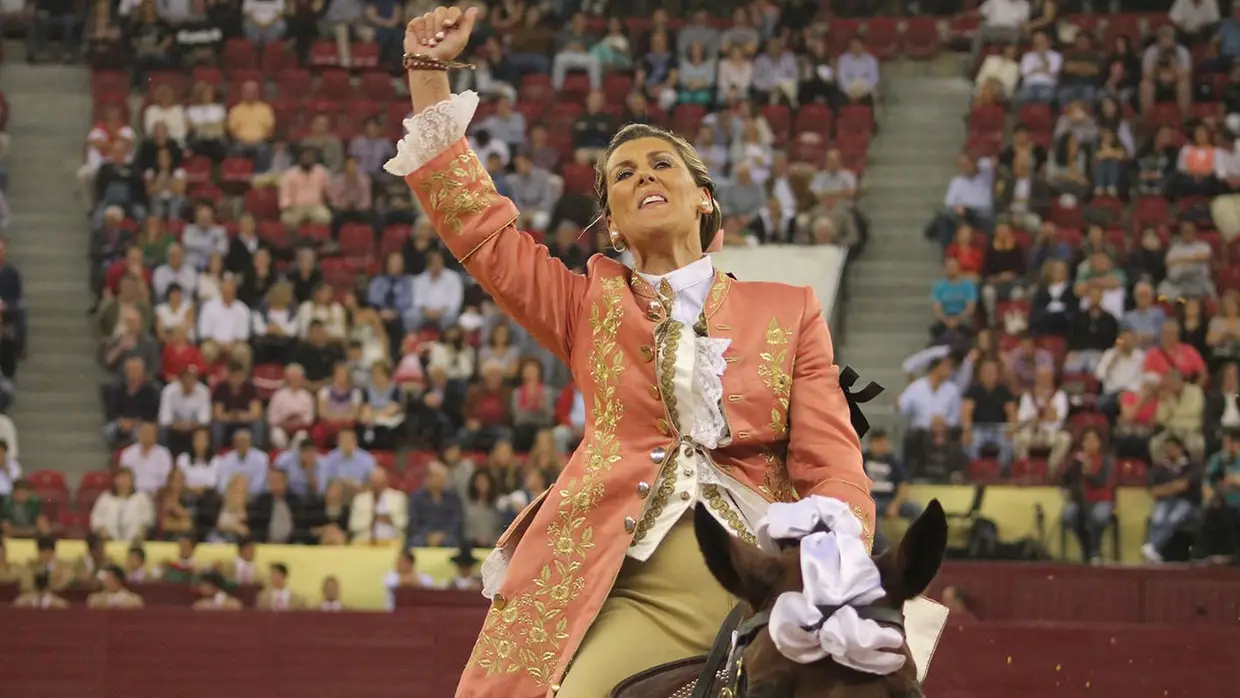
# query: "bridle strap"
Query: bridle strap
720,651
878,614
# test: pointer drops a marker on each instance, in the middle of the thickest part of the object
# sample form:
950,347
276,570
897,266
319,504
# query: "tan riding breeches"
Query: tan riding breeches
661,610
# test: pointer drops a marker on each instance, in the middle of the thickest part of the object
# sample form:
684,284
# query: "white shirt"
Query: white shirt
175,405
173,117
164,275
150,468
690,286
1005,13
171,319
122,518
1041,69
1118,372
8,434
331,606
263,11
11,472
391,581
444,292
1194,15
199,475
224,323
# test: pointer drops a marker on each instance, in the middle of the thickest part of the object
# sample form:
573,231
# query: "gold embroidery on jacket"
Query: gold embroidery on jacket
463,188
667,342
775,377
529,632
775,483
658,502
717,503
867,528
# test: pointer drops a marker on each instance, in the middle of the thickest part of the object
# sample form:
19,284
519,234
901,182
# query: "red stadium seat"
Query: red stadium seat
110,82
335,86
278,56
357,244
814,118
985,471
578,178
74,525
236,175
385,460
377,87
267,380
294,83
686,118
532,111
987,118
576,85
96,479
263,203
315,232
616,87
883,37
239,54
855,119
273,232
536,88
209,75
338,274
324,54
366,57
1038,118
47,479
779,118
394,237
197,170
921,39
1029,471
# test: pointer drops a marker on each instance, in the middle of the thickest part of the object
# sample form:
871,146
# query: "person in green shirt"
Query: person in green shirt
21,515
1220,535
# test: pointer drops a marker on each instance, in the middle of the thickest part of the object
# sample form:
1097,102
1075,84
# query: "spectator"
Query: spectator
1181,407
339,403
1120,369
988,416
301,469
435,519
572,52
114,595
437,294
532,192
290,411
481,517
968,255
1003,269
1146,319
371,148
41,596
932,396
349,194
122,514
1089,484
736,77
383,410
1188,266
184,408
135,566
1054,302
173,506
970,198
406,575
1194,20
235,405
749,152
21,510
835,188
1067,173
135,400
858,73
501,349
224,326
593,129
132,340
176,271
199,466
1082,70
263,21
279,516
1220,535
326,144
274,325
165,110
131,264
656,76
204,237
1040,420
776,74
251,124
890,486
1166,73
207,122
532,405
1173,354
317,356
1003,22
245,463
276,596
1039,72
696,74
88,567
48,16
211,279
322,308
1090,333
215,596
119,183
953,301
564,246
149,462
1175,485
379,513
347,464
303,192
1110,161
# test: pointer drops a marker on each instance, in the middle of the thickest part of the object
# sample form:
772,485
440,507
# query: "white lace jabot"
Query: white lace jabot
431,131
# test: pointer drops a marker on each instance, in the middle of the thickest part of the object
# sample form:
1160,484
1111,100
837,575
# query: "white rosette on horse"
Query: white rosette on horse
837,573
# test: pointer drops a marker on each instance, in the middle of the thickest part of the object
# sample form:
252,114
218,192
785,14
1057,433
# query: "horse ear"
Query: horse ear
744,571
921,550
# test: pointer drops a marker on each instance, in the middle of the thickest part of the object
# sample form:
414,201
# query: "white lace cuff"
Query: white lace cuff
494,569
432,131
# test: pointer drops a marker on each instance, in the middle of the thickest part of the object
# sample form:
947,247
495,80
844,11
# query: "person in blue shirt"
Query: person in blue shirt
1228,39
1220,532
954,299
889,486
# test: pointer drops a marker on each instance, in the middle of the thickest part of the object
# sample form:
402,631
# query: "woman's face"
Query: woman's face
323,295
202,441
482,483
964,237
123,482
530,373
652,198
1090,443
175,297
1108,108
499,336
215,265
1201,136
502,453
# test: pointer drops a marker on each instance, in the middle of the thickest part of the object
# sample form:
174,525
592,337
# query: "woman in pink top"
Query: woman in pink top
1196,166
1135,424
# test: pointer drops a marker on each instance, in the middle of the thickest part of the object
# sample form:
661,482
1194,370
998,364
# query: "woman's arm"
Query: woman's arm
824,452
475,222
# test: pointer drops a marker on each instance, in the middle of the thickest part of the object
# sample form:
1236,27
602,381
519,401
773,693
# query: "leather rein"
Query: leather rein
723,675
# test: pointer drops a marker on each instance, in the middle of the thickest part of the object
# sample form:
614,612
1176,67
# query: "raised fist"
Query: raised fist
441,34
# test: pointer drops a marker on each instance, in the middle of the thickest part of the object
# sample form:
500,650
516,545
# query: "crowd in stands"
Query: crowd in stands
293,356
1086,330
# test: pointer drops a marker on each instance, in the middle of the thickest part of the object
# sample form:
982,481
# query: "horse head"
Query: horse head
758,578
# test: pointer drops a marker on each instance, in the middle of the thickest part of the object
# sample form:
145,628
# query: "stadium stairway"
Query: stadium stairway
887,312
57,411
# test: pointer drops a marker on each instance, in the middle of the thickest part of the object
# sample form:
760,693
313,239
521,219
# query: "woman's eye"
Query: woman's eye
662,163
623,174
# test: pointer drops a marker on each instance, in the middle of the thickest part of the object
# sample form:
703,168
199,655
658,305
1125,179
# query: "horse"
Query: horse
745,663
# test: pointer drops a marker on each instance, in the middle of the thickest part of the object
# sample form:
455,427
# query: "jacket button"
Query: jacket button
643,489
629,524
499,602
654,391
685,496
658,454
654,311
661,425
647,353
688,451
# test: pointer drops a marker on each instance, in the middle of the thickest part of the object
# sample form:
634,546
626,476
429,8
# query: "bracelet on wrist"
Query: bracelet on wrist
422,62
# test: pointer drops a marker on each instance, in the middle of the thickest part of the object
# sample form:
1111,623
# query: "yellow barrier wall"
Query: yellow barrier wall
360,568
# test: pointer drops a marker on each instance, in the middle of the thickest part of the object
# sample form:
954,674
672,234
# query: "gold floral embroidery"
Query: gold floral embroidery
463,188
658,502
775,483
775,377
718,290
528,633
667,341
867,528
717,503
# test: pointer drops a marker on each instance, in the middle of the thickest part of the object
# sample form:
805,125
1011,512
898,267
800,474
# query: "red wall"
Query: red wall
418,653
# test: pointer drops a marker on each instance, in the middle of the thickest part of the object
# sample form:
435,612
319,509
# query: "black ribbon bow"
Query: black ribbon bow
849,378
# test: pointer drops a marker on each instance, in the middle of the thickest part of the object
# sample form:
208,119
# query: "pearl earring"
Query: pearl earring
616,243
706,206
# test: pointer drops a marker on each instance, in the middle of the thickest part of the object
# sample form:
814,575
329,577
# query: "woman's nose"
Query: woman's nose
645,177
